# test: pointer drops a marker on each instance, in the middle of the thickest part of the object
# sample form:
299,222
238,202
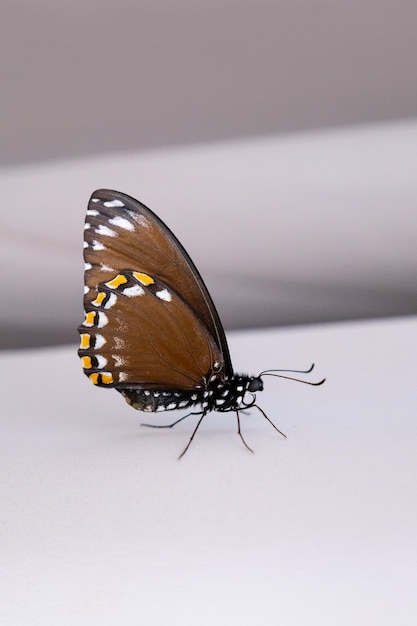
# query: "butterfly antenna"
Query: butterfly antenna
192,436
239,432
298,380
270,421
289,371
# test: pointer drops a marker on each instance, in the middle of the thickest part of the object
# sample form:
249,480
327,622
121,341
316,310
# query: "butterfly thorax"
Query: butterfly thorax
230,394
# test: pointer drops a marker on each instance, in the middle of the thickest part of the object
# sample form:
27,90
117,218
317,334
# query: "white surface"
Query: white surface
285,230
102,525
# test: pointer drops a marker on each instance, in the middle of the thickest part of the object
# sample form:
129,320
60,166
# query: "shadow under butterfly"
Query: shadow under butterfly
151,330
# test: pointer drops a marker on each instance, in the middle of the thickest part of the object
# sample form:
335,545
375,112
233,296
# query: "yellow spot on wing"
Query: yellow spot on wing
89,318
85,340
99,299
86,362
117,281
106,378
143,278
94,378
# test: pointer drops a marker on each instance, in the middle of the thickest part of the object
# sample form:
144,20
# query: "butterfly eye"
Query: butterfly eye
255,384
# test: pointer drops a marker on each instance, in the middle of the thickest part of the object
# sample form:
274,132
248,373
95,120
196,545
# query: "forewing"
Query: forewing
123,234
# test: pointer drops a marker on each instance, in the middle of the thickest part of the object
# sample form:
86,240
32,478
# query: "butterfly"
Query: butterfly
151,330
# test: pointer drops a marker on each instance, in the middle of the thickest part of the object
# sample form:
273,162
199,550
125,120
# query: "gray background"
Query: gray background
92,76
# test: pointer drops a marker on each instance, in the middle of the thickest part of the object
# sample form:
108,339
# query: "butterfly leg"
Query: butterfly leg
270,421
240,433
173,423
194,432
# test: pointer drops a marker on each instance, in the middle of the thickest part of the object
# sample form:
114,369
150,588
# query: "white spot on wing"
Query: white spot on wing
136,290
113,203
103,320
121,222
171,405
97,245
106,231
164,295
122,377
119,343
99,342
95,199
139,219
101,361
93,212
85,244
87,226
111,301
87,266
119,361
106,268
86,289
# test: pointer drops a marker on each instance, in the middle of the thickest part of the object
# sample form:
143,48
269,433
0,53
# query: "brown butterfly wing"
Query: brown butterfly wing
149,341
139,333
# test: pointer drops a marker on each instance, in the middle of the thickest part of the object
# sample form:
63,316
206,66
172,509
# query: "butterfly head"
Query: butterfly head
241,392
255,384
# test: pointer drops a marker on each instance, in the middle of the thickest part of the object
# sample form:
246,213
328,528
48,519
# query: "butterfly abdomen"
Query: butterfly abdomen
218,395
152,401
